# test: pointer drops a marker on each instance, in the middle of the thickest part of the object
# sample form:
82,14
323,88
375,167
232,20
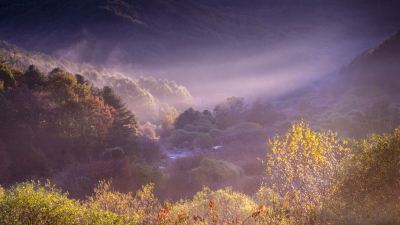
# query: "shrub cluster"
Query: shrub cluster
31,203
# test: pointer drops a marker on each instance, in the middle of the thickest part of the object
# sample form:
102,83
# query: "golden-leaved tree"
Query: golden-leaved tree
143,207
167,124
302,168
367,186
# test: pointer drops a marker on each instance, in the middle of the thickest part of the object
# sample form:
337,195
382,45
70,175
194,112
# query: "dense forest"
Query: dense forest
72,149
148,97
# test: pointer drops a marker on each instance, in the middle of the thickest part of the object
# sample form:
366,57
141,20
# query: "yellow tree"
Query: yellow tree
144,206
302,167
167,124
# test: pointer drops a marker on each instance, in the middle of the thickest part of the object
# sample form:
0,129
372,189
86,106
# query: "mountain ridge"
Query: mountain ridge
377,67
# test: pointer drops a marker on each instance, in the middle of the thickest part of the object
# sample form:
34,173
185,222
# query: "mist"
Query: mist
191,101
268,72
217,49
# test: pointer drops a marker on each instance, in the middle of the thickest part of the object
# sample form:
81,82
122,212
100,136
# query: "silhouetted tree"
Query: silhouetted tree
56,70
188,117
81,80
124,124
35,77
229,112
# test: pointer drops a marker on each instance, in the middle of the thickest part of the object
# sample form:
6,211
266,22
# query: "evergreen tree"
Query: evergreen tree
81,80
188,117
35,77
124,124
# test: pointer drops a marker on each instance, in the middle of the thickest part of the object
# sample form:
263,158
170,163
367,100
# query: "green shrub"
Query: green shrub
203,141
211,170
204,124
148,175
229,205
6,76
368,184
180,136
30,203
143,207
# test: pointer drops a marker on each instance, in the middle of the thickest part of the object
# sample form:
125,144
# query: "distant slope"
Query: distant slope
146,97
156,31
215,48
146,29
378,67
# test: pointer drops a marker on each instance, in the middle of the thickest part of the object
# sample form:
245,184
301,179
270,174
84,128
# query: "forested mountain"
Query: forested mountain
146,97
377,68
160,33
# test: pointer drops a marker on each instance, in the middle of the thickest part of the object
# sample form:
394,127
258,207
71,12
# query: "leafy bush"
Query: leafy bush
79,180
180,136
146,175
211,170
143,207
203,141
30,203
216,133
203,124
273,209
180,182
229,205
368,184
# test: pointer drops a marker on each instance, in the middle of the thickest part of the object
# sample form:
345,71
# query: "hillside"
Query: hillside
155,32
147,97
375,68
